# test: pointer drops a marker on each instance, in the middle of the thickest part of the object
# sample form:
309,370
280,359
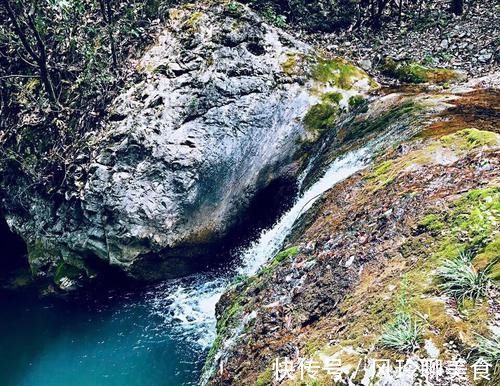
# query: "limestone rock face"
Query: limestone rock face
215,118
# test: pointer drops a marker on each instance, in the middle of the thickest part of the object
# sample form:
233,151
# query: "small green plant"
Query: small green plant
270,14
460,280
234,8
404,334
488,348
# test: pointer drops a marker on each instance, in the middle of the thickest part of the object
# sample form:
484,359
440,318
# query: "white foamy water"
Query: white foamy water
271,240
188,306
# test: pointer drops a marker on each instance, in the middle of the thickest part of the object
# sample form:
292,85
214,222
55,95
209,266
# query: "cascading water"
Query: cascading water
188,305
155,336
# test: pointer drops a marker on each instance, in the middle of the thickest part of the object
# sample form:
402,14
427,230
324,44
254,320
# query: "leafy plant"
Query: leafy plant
234,8
460,280
270,14
62,63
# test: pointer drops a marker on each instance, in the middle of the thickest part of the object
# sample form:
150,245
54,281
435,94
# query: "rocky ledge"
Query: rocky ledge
398,262
220,109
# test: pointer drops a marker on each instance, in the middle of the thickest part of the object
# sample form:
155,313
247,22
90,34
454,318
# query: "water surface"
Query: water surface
153,336
115,341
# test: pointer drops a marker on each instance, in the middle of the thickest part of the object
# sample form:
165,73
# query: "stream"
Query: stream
154,336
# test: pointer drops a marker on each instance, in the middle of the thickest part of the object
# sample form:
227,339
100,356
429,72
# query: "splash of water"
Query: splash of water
271,240
188,306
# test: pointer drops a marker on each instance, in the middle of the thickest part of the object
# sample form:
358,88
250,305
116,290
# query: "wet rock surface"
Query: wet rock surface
340,291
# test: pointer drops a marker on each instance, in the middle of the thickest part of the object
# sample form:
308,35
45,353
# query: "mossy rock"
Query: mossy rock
338,73
356,101
285,254
321,117
431,222
413,72
471,138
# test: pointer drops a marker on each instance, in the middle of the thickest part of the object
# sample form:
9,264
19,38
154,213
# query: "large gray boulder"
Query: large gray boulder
216,118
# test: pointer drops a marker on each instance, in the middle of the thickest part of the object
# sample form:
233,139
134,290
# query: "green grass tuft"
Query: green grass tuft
404,334
461,280
488,348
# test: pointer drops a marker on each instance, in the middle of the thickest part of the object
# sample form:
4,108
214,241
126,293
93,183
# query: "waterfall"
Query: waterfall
188,305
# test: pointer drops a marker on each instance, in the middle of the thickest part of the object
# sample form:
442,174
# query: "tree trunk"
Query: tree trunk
40,57
107,16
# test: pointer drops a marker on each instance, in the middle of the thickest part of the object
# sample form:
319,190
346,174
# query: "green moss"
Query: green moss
468,139
291,65
321,117
337,72
477,216
356,101
224,324
382,175
67,270
431,222
490,259
331,97
212,352
416,73
265,378
463,141
283,255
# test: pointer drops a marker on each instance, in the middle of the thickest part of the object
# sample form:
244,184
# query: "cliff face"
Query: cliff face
376,270
222,110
